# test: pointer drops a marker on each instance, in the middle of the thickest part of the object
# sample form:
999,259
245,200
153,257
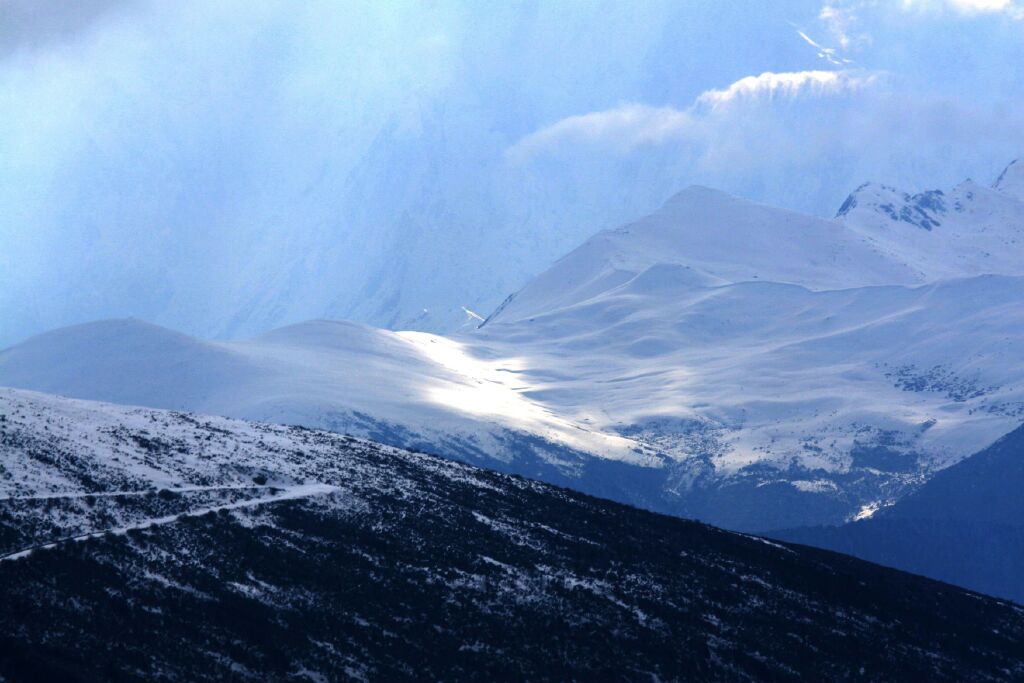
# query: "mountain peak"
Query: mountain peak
700,195
698,206
1011,180
924,210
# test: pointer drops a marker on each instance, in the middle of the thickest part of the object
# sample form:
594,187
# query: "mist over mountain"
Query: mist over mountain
224,169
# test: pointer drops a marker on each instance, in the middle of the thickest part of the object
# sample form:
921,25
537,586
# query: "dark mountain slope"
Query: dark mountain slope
965,526
984,488
212,549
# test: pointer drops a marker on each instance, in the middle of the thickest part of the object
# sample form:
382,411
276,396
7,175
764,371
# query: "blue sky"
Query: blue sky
226,167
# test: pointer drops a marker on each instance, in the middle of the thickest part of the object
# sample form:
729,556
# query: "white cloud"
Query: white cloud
788,138
846,21
771,85
625,127
981,5
829,54
632,125
1010,8
972,6
840,21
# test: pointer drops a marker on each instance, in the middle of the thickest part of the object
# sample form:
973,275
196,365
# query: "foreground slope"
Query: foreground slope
966,525
141,544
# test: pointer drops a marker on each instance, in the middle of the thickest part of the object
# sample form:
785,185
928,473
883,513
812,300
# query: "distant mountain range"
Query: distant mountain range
139,544
748,366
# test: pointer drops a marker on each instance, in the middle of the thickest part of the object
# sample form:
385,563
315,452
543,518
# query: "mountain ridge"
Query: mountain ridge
1011,180
658,364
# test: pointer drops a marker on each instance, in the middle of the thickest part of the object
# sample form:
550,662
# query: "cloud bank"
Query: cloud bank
632,125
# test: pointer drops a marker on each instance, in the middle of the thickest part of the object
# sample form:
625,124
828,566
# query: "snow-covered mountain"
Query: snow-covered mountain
138,544
882,236
968,230
712,238
719,359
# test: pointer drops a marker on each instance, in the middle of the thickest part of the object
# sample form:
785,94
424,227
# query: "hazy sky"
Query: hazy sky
224,167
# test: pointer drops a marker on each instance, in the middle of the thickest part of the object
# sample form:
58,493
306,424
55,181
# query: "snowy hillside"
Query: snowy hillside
724,360
138,544
420,389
